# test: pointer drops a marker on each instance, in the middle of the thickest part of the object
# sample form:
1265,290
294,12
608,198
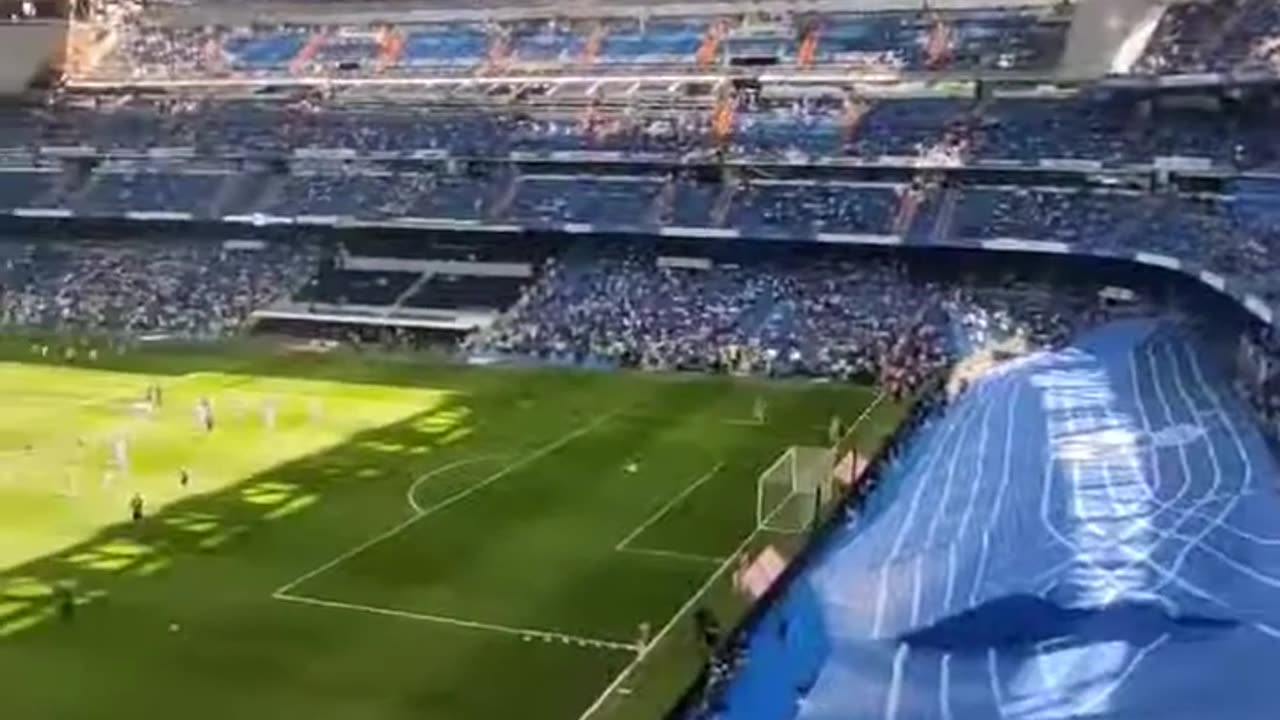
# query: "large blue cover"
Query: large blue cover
1089,533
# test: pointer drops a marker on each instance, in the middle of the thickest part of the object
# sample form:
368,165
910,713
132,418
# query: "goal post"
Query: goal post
790,491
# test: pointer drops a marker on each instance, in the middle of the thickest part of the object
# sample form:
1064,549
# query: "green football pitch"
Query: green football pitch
402,539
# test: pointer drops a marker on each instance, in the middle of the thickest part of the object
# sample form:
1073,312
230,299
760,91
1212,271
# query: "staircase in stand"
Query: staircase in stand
409,292
1212,46
908,206
946,216
272,189
502,202
591,51
499,52
722,119
808,46
710,46
938,47
238,191
660,212
302,60
390,48
724,201
855,110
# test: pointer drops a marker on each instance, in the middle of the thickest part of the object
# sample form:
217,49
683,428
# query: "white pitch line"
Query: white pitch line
684,609
546,635
866,412
450,500
673,554
411,493
740,422
675,500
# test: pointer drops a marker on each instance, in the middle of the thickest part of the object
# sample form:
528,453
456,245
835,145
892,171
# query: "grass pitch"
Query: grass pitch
405,541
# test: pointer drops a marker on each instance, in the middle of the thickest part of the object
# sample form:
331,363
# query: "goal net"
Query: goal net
791,492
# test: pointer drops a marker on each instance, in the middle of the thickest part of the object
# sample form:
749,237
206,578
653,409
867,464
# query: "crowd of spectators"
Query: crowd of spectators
867,319
1190,38
946,131
1208,232
124,187
897,40
1219,35
238,126
782,207
170,287
1257,363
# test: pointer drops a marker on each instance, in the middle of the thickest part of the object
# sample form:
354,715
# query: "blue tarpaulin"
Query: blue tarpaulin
1087,533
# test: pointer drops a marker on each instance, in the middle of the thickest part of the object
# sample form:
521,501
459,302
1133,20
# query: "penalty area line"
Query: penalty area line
448,501
411,493
673,554
616,686
666,508
544,635
659,417
866,413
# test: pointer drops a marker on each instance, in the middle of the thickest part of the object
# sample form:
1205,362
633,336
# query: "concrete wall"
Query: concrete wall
1098,30
27,49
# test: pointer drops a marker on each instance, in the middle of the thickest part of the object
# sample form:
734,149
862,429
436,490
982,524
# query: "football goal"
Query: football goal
791,492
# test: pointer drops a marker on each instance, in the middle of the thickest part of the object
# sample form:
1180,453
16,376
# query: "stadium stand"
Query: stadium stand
1075,529
890,40
1096,219
123,187
465,292
356,287
196,290
1214,36
27,186
1025,130
842,319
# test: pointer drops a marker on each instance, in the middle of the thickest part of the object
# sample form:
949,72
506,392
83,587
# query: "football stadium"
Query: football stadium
489,360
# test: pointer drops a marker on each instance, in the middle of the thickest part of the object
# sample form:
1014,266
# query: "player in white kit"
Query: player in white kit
120,450
204,414
269,414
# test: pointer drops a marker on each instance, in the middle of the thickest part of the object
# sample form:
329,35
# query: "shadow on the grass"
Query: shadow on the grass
35,592
321,492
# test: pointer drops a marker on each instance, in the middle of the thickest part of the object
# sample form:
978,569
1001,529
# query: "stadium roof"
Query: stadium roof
249,11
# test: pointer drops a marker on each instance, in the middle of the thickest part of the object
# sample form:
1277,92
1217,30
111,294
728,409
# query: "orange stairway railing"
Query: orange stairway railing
594,42
808,47
391,43
300,61
722,118
710,47
499,51
87,44
938,47
854,111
